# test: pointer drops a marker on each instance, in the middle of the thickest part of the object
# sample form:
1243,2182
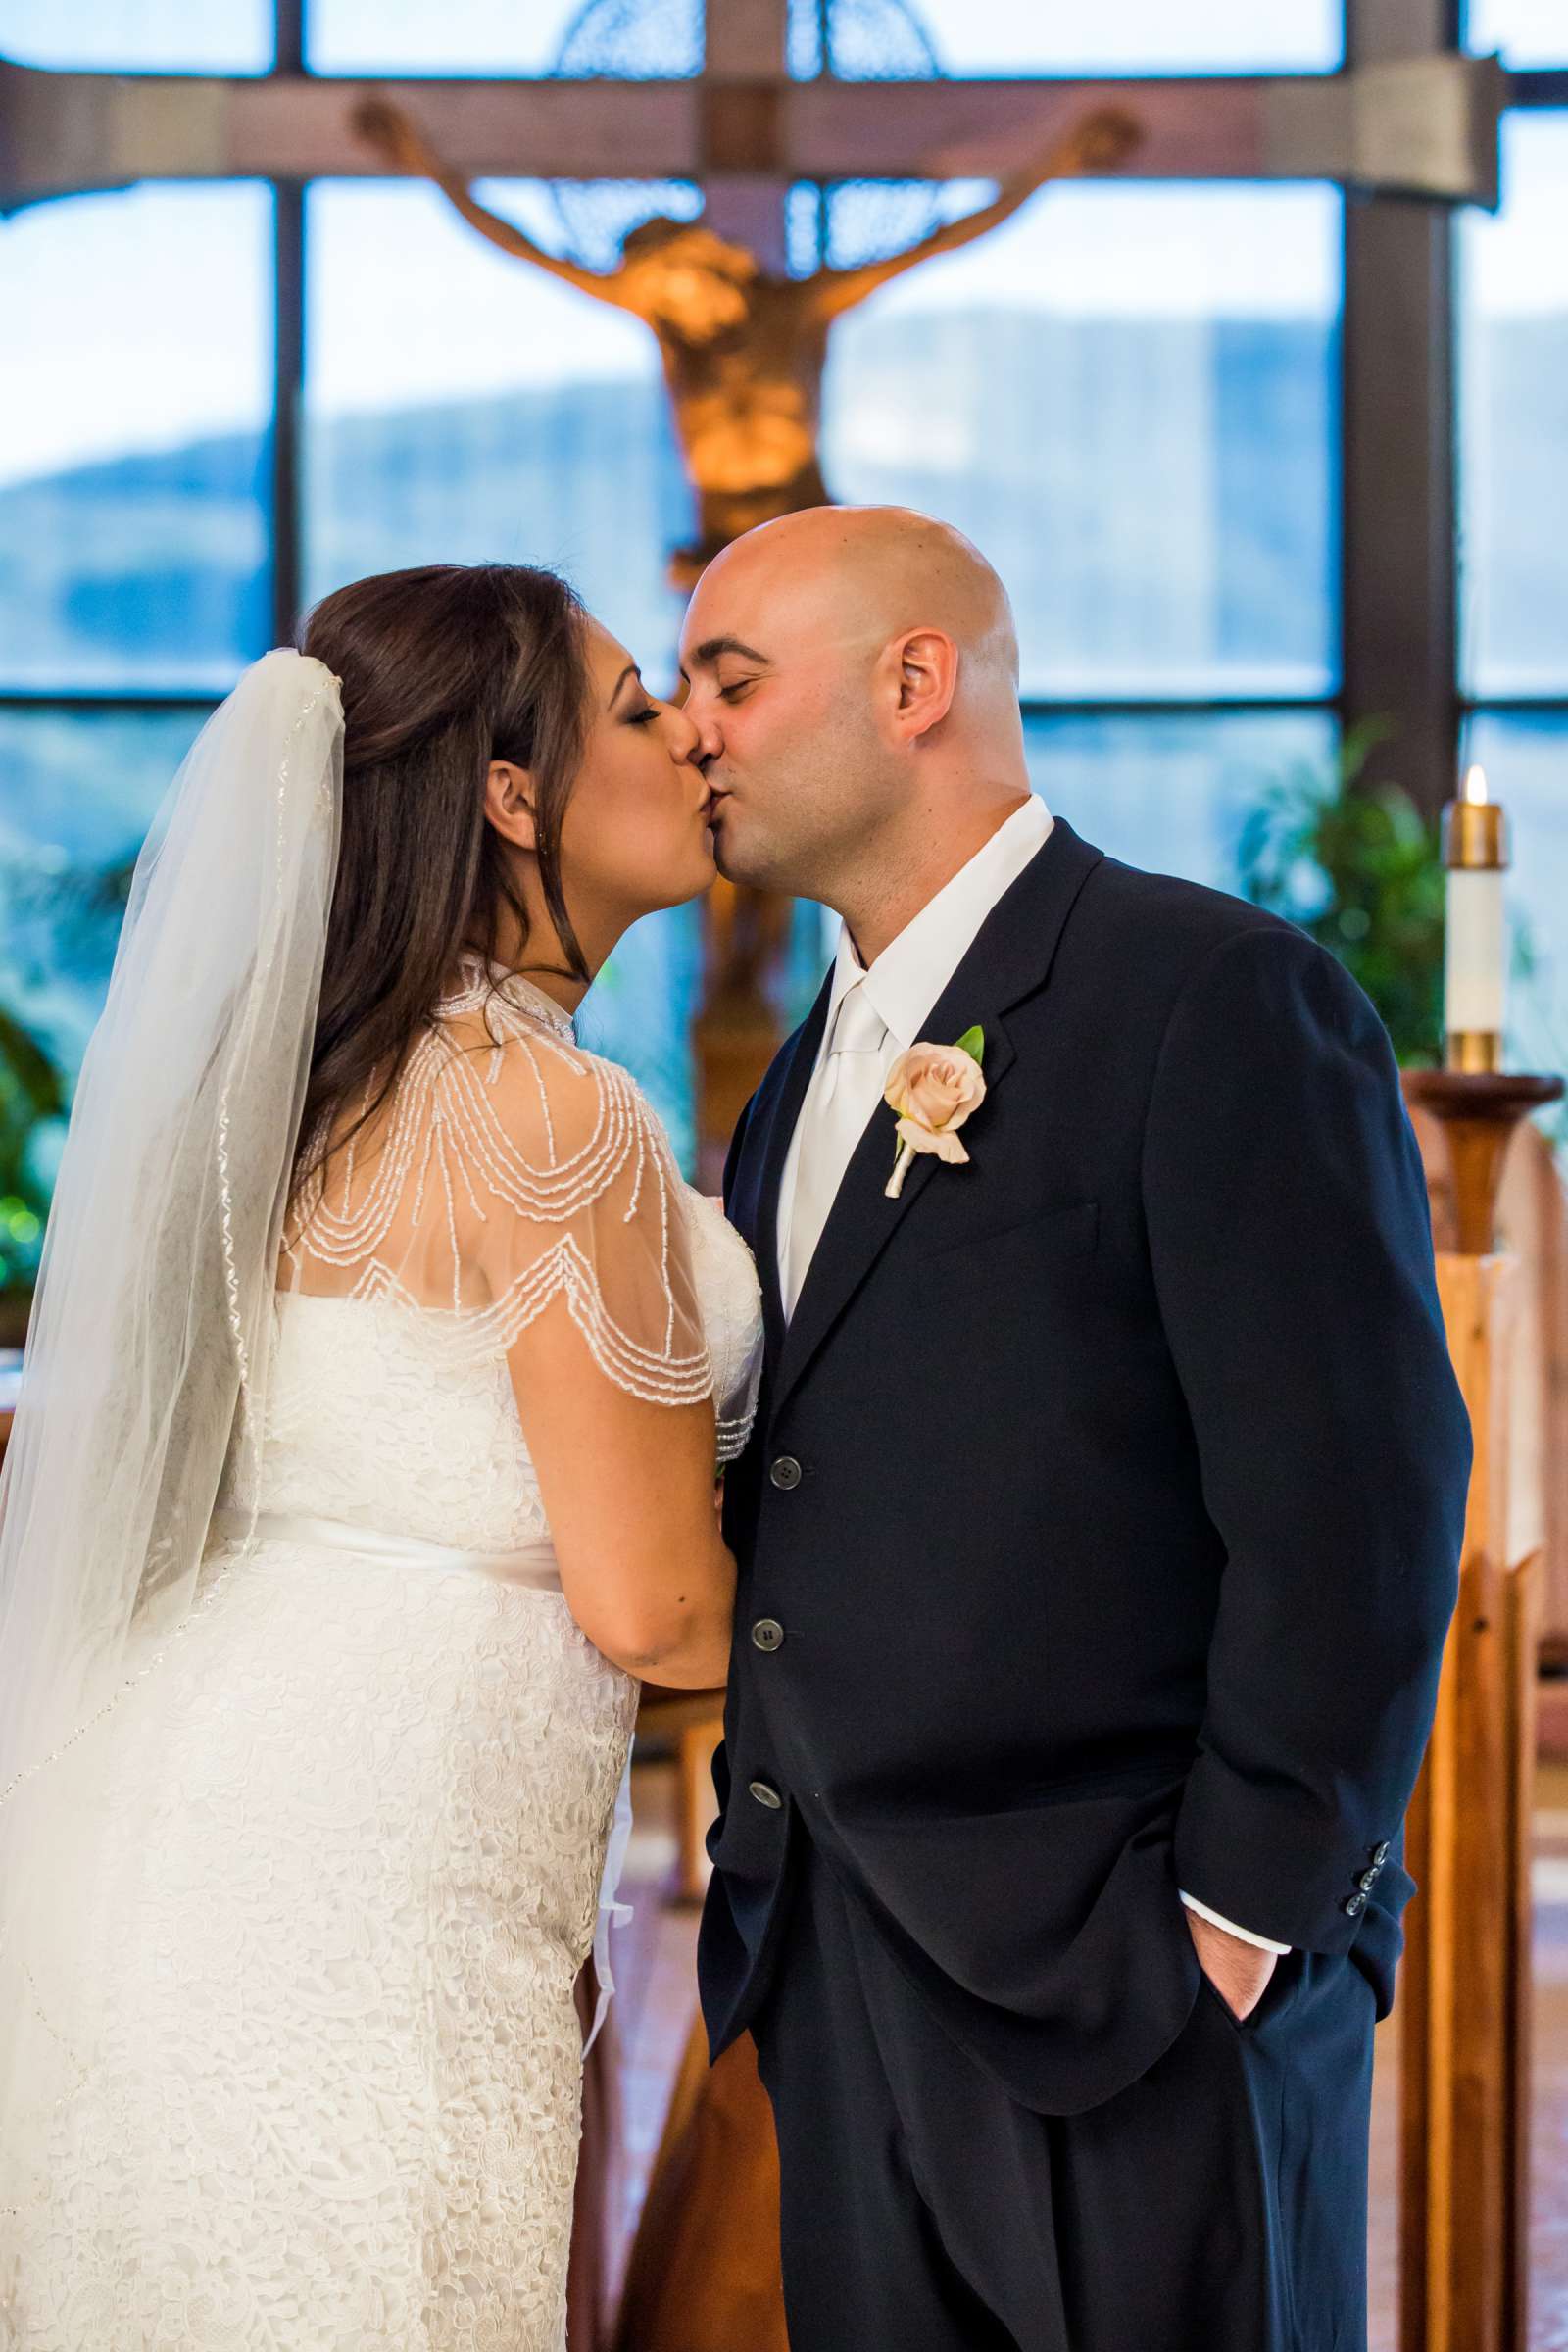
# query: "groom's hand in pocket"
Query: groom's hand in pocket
1239,1971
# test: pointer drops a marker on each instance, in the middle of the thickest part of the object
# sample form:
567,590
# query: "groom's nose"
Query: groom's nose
704,712
685,744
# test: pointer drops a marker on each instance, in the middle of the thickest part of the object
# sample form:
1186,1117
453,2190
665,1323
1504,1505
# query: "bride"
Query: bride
380,1368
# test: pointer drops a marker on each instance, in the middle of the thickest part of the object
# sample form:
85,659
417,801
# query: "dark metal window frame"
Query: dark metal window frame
1398,622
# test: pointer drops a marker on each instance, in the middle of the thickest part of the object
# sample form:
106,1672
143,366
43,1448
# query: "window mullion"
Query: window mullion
288,332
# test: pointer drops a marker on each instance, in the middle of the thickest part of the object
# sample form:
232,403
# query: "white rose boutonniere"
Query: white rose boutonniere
933,1088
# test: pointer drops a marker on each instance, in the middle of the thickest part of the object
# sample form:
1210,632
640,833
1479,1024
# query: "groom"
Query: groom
1098,1536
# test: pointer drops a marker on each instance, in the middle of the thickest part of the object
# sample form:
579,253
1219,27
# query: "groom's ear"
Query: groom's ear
509,802
927,679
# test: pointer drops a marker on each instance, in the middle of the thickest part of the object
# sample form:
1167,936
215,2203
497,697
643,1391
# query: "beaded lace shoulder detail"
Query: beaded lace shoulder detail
501,1175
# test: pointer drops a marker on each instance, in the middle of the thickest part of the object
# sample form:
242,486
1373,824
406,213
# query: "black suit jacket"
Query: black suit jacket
1105,1496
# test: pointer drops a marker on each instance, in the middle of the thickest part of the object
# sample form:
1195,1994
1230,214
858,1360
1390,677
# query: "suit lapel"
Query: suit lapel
1010,959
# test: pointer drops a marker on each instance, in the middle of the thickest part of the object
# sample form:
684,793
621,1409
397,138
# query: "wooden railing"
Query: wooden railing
1465,1983
1531,1226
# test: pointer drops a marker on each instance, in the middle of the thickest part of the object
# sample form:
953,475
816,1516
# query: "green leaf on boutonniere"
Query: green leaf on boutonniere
973,1042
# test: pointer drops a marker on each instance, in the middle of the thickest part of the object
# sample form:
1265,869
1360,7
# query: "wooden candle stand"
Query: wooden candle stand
1478,1111
1465,1982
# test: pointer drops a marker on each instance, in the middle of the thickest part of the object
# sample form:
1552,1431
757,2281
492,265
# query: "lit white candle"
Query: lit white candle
1476,945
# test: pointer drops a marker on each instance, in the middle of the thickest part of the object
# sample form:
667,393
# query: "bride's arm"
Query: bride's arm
627,1487
585,1251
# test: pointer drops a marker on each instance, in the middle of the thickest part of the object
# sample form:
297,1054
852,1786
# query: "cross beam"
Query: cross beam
741,158
1421,125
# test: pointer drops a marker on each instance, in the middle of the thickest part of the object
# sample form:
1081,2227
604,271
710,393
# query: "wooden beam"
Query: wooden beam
746,40
984,130
1417,124
1401,126
748,212
742,129
64,133
60,133
743,125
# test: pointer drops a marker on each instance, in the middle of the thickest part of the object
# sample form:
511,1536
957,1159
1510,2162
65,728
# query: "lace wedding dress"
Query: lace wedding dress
323,2058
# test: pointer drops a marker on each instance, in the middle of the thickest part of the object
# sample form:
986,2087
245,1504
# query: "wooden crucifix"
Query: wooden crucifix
743,346
1419,125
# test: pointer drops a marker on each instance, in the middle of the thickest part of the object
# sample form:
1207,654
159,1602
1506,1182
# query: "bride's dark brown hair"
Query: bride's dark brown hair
445,667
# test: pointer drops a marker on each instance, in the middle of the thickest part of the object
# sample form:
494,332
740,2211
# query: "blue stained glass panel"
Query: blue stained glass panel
133,471
461,407
661,40
139,36
857,38
1169,792
1525,759
1128,398
1513,411
1527,32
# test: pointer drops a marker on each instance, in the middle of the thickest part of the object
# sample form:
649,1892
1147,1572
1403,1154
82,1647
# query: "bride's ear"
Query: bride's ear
509,802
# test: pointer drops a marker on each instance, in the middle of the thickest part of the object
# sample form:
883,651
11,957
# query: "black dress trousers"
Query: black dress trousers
1216,2205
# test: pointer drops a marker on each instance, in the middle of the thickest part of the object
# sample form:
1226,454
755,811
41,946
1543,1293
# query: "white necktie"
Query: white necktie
843,1094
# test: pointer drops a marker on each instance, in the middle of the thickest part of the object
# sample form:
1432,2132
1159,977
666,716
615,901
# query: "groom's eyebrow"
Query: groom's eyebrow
708,652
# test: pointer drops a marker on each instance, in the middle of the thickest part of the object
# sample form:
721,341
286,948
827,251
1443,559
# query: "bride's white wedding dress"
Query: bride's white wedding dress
326,2058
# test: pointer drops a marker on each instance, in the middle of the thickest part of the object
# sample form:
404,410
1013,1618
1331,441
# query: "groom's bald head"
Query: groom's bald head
852,673
860,576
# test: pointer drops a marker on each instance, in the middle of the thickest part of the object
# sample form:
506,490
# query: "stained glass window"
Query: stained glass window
133,495
1127,395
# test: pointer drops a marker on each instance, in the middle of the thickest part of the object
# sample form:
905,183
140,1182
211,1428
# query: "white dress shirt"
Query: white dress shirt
875,1014
901,988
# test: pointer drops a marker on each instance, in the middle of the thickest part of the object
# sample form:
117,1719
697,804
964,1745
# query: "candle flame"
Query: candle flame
1475,786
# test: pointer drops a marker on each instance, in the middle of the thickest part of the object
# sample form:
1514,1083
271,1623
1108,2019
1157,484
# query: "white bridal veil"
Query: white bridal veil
147,1354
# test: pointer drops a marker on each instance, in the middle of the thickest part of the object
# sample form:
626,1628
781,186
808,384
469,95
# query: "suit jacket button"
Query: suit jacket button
1355,1904
1369,1878
786,1471
1380,1854
767,1634
767,1794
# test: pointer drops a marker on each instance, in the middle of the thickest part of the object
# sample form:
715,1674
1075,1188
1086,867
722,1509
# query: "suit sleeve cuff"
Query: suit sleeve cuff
1265,1944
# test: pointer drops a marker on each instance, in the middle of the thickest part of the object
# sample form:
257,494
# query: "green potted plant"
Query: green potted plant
1360,869
32,1089
79,910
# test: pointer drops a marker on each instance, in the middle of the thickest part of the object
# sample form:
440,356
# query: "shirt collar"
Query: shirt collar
906,979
